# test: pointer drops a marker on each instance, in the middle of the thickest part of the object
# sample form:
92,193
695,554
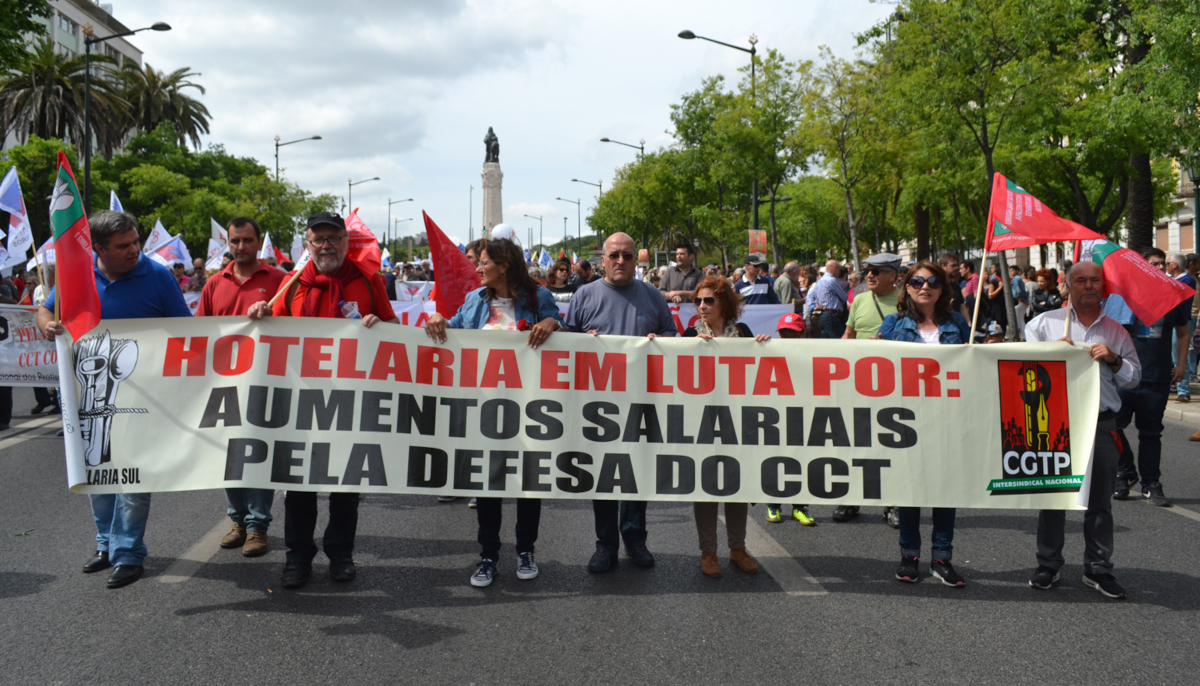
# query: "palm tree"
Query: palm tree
45,96
155,97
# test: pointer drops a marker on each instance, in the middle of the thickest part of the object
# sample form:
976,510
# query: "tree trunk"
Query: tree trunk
853,227
1139,220
921,222
957,227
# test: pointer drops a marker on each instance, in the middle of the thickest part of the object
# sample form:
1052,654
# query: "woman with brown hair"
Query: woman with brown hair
925,315
558,281
719,307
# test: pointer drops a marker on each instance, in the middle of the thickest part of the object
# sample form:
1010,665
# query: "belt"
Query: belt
1107,415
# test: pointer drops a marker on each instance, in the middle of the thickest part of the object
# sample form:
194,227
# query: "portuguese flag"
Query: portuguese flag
75,293
1149,293
1016,219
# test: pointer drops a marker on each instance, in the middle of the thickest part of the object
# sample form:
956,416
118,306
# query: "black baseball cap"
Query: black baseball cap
328,218
755,259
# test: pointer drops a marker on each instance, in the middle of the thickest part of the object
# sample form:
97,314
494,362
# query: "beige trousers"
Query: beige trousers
735,525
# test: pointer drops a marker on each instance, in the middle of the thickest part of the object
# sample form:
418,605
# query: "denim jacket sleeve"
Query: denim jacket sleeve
547,305
468,314
964,328
887,330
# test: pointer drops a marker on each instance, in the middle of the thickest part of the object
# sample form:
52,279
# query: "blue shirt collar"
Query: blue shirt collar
140,269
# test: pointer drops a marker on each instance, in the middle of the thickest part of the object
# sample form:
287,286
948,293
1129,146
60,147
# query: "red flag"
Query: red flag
364,246
455,275
1149,293
1016,219
280,258
75,294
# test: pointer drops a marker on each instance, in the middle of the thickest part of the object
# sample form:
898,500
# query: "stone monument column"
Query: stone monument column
493,206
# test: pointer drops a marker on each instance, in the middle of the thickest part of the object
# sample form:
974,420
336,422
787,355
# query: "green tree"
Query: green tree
155,97
17,20
37,168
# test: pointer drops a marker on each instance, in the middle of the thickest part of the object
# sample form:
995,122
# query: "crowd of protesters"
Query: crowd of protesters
880,299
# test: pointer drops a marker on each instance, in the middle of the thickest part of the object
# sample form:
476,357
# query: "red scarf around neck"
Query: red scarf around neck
317,284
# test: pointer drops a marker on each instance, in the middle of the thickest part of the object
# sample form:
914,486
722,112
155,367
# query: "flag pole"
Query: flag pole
978,299
1067,325
284,288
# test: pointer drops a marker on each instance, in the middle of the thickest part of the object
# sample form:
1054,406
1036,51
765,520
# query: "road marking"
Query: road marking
785,569
20,434
1190,514
197,556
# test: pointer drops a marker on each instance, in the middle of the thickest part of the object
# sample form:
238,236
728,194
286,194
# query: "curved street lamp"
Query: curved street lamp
640,147
350,191
279,145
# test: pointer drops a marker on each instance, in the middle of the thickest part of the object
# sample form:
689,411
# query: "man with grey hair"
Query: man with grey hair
785,285
130,286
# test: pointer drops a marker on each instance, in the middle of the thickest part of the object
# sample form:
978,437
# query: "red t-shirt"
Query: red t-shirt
224,296
356,291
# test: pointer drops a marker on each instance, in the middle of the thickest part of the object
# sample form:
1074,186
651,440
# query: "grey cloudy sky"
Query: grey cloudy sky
405,90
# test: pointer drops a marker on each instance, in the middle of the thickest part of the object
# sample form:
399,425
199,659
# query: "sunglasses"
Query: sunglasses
710,301
876,271
919,281
618,256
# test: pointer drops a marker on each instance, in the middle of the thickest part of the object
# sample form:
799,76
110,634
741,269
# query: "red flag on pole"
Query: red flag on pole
455,275
1016,219
1149,293
364,247
75,293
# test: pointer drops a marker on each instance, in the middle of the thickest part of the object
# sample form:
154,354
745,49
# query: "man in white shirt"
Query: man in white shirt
1112,348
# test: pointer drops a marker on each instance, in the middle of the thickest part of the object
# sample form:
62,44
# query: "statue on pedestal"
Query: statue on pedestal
492,144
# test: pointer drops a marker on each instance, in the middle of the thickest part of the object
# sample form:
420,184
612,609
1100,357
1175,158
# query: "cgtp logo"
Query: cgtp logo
101,364
1035,427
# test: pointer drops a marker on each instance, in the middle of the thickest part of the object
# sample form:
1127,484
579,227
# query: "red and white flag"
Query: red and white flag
1016,219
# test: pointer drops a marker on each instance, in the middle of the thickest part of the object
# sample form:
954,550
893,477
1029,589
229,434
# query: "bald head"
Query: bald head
834,268
1085,285
620,255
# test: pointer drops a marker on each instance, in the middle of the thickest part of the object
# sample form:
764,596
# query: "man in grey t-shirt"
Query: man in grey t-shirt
620,305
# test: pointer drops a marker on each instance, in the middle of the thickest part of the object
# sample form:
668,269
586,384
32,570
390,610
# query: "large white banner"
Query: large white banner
26,357
329,405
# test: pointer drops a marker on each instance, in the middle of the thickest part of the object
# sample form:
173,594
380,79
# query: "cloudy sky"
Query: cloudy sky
406,89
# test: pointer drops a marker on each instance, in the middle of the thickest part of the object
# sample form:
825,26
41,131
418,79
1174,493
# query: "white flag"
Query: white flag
171,253
216,252
114,203
300,263
20,236
268,249
297,248
219,233
157,238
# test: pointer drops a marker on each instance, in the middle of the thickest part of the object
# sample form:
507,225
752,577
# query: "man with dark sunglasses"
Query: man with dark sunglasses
620,305
868,310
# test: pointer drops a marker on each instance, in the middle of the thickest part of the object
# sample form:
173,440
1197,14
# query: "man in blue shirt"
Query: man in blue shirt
756,288
131,286
827,301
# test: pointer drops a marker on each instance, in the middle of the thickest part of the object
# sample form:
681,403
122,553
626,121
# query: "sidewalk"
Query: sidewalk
1183,412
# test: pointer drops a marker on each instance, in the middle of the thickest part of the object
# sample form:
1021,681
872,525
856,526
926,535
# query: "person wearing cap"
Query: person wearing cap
231,292
329,286
827,302
867,313
994,334
790,326
754,286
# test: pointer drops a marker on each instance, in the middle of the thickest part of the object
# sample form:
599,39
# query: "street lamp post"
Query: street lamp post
597,185
350,191
279,145
396,234
640,147
390,203
87,102
753,50
540,239
578,221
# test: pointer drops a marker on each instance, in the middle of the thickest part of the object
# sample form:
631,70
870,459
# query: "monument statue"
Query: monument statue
492,143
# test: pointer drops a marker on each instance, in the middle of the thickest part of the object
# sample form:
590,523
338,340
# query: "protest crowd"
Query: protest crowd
1142,364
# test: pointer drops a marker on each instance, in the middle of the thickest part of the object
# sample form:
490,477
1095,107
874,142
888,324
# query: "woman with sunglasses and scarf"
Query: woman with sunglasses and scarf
926,316
509,300
719,307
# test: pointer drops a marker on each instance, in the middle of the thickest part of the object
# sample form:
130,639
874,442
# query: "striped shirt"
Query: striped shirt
828,295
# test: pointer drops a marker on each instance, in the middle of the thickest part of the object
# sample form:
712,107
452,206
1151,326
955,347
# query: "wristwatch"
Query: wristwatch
1116,364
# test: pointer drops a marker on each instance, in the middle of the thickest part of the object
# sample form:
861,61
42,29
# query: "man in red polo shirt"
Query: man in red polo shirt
230,292
329,286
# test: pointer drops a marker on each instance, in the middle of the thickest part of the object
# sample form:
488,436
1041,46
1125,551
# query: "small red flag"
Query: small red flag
364,246
1149,293
75,291
455,275
1016,219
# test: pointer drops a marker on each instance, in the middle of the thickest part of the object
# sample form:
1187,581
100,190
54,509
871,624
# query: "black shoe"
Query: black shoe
907,571
1043,578
1124,483
96,562
943,570
123,575
602,561
891,515
844,513
1106,584
641,555
295,574
1153,493
39,408
342,570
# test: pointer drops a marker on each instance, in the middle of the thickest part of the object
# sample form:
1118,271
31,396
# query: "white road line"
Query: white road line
1190,514
791,576
23,430
197,556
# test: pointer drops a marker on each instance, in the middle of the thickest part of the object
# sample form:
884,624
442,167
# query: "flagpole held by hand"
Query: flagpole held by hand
284,288
1067,324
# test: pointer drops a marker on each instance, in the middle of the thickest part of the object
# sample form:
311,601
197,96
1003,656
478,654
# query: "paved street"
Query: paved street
828,611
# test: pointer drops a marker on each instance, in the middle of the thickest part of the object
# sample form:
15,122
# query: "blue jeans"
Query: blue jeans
616,520
942,536
250,507
832,323
121,526
1144,405
1185,386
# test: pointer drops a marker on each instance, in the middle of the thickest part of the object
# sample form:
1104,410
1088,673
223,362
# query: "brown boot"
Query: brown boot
710,566
1194,437
744,562
256,544
235,538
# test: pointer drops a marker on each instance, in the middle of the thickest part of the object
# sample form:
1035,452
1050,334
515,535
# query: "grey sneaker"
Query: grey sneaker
526,567
1153,492
484,573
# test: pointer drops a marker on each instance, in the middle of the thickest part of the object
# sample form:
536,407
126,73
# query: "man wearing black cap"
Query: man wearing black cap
329,286
755,287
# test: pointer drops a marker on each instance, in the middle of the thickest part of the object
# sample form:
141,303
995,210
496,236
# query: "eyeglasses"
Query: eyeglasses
876,271
331,241
618,256
919,281
486,263
710,301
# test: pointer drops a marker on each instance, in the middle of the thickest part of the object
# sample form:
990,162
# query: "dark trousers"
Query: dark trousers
1144,406
42,395
832,323
5,405
1097,520
488,513
616,520
942,536
300,523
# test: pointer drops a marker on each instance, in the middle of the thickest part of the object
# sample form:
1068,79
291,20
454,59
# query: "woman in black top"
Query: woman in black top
719,307
558,281
1046,297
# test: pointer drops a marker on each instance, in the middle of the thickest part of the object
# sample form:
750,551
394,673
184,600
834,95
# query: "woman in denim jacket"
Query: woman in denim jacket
926,316
510,300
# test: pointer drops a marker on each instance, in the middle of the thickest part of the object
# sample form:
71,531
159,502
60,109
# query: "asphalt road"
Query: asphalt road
828,611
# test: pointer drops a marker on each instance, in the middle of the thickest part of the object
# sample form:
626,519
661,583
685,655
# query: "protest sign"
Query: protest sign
26,357
329,405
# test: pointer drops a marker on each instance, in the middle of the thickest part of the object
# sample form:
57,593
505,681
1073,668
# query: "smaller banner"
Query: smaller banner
758,243
26,357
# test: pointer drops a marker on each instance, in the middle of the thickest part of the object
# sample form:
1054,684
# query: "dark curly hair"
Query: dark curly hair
941,309
729,299
507,254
